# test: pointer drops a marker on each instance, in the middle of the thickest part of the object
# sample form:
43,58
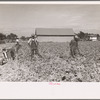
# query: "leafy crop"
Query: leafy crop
56,64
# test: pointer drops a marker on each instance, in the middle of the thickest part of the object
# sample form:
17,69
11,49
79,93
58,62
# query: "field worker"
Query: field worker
3,57
33,44
4,51
17,45
15,48
8,54
74,49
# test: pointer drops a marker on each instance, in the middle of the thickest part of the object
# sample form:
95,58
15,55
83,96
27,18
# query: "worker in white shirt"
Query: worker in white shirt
33,44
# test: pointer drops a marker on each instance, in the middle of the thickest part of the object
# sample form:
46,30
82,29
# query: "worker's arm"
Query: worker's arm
37,43
29,41
71,42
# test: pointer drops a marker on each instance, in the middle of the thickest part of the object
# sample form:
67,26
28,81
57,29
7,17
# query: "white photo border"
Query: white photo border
44,90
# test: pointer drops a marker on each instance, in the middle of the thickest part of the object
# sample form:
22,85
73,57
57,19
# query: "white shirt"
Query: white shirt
17,40
31,39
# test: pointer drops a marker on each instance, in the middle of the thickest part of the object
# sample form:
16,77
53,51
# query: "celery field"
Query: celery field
56,64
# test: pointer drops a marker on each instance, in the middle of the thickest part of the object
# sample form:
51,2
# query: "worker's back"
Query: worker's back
73,43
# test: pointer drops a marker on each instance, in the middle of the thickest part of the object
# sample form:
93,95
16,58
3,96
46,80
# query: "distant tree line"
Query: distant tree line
24,38
86,36
7,38
10,37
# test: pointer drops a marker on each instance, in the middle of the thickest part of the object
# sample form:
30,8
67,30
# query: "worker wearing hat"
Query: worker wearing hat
33,44
74,48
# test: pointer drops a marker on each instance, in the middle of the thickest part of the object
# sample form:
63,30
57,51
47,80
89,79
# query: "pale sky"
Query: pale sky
22,19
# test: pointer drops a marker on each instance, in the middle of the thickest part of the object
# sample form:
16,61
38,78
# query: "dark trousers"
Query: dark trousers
35,51
74,51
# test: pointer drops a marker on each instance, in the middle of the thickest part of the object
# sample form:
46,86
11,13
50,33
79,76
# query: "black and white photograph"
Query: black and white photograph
50,43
